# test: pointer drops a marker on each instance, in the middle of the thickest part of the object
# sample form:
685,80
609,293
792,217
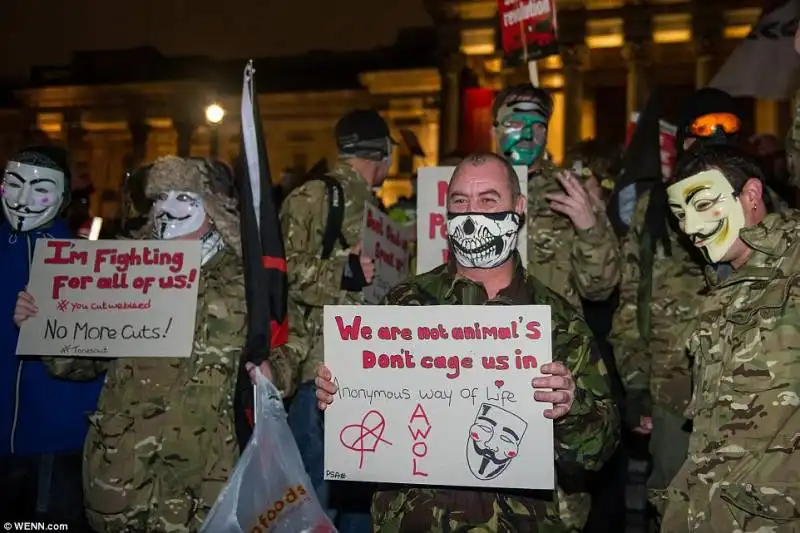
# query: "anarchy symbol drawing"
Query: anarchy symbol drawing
366,436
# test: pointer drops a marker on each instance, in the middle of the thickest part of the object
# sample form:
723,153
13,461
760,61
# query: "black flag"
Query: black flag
266,285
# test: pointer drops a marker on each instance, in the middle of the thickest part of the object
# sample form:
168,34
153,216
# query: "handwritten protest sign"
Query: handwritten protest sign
383,241
432,248
438,395
112,299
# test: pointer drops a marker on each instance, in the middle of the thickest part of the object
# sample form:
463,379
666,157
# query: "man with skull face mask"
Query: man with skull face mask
572,246
42,419
162,441
485,214
741,473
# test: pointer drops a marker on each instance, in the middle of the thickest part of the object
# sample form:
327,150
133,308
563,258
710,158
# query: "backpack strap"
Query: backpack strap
333,226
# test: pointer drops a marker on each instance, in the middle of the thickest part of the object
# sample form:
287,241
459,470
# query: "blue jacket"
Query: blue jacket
38,412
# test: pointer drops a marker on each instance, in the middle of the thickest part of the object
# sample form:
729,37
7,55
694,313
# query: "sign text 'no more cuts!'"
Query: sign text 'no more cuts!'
438,395
112,299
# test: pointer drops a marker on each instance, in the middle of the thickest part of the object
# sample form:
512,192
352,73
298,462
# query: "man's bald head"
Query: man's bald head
484,183
468,164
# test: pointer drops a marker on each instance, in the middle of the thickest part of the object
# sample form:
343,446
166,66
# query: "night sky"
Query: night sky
45,32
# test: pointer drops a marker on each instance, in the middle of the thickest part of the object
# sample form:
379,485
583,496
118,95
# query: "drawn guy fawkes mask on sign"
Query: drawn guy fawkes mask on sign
708,211
177,213
494,440
32,195
483,240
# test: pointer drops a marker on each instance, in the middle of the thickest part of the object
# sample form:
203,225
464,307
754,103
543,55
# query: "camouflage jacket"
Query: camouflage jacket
584,439
315,282
744,453
162,444
793,145
576,264
651,358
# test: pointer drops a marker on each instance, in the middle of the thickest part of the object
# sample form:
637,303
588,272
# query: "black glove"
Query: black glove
353,279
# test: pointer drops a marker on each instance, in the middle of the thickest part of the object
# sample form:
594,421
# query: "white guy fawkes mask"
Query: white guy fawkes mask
32,195
493,441
177,213
708,211
483,240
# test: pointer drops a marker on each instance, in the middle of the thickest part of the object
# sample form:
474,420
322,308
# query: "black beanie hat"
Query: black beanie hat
52,157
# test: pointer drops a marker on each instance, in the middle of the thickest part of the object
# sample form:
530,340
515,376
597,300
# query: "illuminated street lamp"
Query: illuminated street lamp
214,114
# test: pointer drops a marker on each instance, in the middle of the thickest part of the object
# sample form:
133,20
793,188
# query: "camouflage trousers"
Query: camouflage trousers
422,510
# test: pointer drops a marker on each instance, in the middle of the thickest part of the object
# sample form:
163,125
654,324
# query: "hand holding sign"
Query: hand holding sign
367,263
25,308
563,389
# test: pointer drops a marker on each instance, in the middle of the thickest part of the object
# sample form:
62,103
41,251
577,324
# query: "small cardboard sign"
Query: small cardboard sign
384,242
112,299
438,395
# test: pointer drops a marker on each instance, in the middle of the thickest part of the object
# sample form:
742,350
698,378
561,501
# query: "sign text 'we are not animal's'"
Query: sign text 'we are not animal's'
438,395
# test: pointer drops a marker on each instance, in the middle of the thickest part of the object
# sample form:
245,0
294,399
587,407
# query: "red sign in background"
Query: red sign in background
531,20
476,121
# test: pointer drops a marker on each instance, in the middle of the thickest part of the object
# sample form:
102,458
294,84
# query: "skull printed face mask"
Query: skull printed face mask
32,195
483,240
494,440
177,213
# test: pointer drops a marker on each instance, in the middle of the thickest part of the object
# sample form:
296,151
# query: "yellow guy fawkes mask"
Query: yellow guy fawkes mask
708,211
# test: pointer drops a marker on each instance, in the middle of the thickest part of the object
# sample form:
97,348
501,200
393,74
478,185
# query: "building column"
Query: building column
185,131
574,59
637,86
708,26
767,119
32,134
74,134
702,67
450,105
140,133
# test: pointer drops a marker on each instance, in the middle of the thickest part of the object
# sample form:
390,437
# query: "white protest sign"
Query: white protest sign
384,243
432,249
112,299
438,395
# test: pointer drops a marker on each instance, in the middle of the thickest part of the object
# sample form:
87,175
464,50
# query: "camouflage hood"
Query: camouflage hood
199,176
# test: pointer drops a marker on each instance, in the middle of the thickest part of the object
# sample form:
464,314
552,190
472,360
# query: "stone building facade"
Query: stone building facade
114,110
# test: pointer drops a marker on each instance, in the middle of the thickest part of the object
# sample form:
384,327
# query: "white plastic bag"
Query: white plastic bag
269,490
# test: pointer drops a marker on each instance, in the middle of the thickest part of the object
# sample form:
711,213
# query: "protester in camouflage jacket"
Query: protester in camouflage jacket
365,150
162,441
741,474
649,347
572,247
314,281
584,438
649,344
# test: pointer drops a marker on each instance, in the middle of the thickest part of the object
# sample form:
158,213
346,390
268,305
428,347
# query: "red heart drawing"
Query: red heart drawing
499,383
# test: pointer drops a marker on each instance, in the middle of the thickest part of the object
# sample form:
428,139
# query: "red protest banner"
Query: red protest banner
529,27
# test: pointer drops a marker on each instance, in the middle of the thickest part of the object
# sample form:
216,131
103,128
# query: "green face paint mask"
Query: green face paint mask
522,137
